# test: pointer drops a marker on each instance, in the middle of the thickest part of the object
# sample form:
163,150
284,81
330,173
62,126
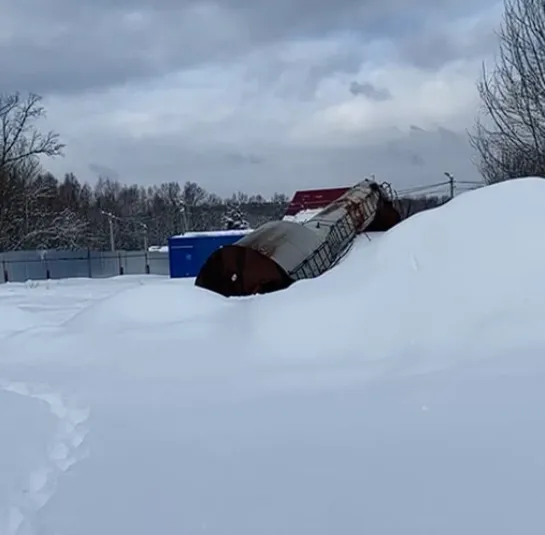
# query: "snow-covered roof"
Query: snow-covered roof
302,216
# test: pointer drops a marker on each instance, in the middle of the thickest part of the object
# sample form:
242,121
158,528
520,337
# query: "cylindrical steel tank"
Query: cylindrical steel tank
280,252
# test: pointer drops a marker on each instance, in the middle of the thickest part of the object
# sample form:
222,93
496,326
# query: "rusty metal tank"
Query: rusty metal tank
280,252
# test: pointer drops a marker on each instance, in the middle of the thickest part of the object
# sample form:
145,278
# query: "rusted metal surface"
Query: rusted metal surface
386,217
358,203
259,262
281,252
238,271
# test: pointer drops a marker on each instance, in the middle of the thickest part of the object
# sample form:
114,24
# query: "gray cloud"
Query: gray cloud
64,46
433,47
368,90
417,160
430,149
418,157
103,171
305,74
244,159
73,50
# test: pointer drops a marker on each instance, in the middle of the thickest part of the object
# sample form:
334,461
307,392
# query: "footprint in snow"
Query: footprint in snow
65,450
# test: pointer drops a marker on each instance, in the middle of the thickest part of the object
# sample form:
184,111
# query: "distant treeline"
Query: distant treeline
47,213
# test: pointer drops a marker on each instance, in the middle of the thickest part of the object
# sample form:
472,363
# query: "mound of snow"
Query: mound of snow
162,302
446,276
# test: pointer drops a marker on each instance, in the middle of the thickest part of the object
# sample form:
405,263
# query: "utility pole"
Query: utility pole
145,227
146,245
111,223
451,183
112,235
183,211
111,218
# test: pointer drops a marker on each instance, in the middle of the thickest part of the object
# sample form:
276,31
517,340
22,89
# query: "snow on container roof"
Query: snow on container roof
214,233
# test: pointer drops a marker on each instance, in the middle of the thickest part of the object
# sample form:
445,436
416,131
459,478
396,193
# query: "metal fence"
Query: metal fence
20,266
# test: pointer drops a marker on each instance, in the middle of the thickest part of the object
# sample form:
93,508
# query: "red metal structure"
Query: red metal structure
312,199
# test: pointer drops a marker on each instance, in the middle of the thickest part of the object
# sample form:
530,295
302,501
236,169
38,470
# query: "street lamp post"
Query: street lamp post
183,211
451,183
146,245
111,218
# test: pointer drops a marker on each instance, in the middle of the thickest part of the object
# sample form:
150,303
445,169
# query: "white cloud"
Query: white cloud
444,98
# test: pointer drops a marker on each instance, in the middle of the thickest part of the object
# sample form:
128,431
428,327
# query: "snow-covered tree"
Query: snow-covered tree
234,218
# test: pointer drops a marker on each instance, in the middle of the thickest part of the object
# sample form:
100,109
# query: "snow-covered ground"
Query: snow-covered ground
402,393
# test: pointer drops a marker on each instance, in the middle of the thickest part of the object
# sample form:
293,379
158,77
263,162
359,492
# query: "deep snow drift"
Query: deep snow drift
400,393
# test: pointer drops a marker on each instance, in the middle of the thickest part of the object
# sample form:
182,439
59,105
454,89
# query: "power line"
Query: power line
464,185
470,188
415,189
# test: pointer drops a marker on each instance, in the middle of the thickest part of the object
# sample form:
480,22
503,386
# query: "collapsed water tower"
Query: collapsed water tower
279,253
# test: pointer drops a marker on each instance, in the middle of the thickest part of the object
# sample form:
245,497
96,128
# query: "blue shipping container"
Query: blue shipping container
188,252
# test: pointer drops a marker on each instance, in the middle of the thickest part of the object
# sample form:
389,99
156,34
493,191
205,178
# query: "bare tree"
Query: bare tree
510,138
20,140
23,192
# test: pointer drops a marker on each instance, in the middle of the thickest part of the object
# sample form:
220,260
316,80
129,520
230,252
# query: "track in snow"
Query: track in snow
65,450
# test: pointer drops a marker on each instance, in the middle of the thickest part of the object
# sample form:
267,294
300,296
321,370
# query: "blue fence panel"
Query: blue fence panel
20,266
23,265
159,264
66,264
104,264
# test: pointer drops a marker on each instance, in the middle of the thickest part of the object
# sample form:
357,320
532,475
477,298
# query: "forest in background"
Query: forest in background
47,213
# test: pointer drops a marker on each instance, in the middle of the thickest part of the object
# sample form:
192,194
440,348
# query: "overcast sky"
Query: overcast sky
257,95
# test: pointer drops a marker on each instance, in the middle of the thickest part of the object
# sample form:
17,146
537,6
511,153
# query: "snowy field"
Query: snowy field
402,393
